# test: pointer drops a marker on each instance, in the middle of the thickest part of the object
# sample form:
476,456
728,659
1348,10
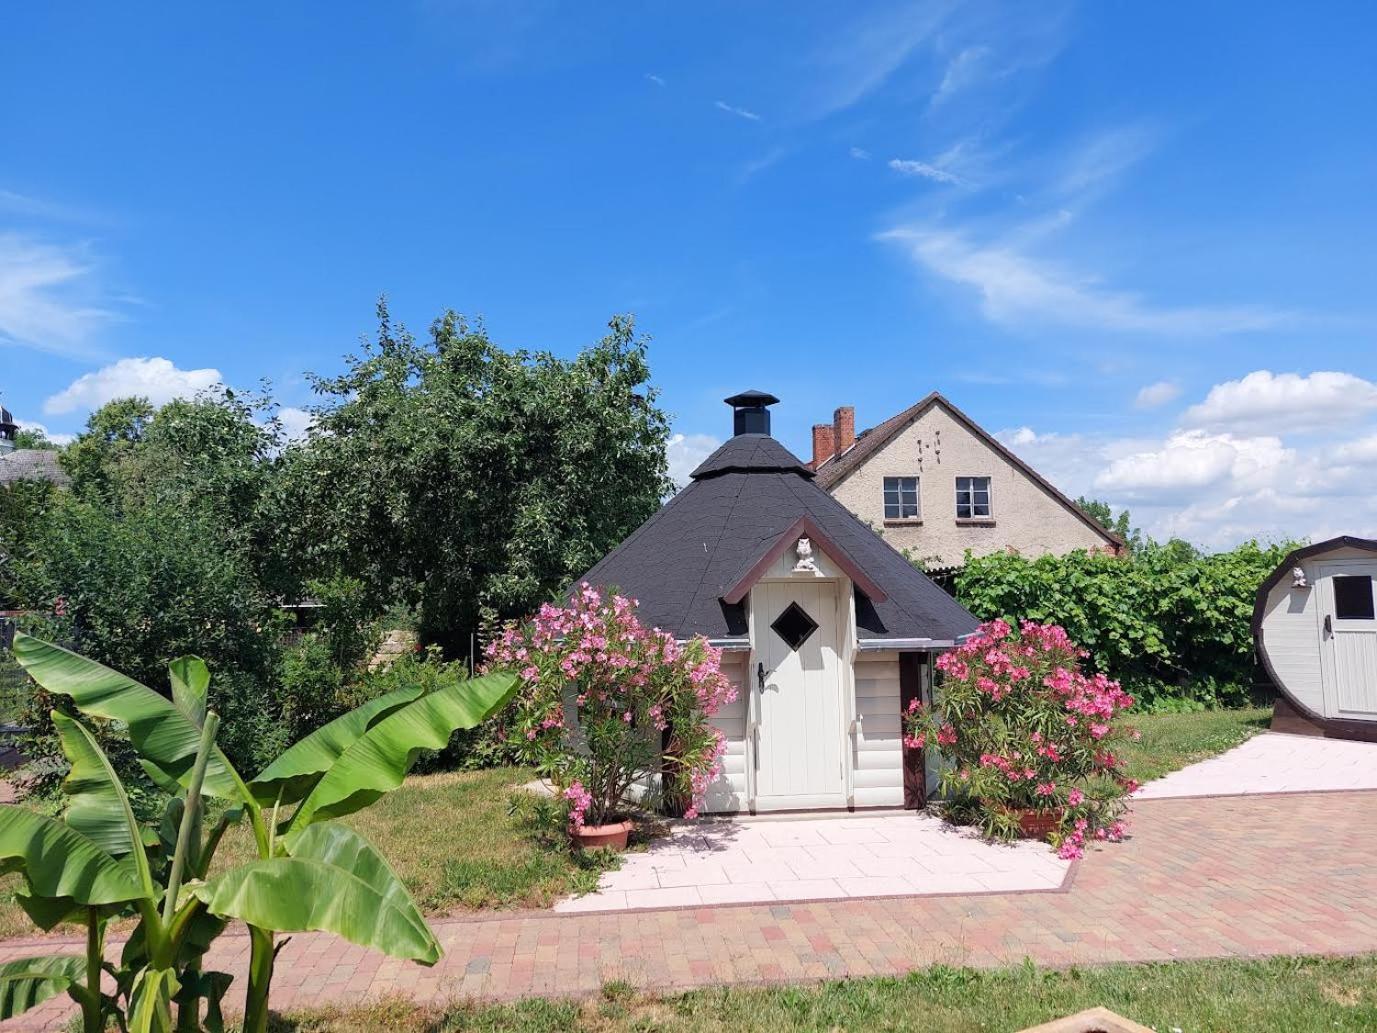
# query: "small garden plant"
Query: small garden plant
1021,730
607,704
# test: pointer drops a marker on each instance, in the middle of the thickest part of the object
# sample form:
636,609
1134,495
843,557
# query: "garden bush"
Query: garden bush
606,703
1019,728
1171,624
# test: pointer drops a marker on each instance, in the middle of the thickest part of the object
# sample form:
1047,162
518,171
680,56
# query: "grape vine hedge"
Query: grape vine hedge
1171,624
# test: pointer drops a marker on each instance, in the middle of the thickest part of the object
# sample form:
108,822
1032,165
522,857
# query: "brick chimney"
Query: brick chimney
824,444
843,428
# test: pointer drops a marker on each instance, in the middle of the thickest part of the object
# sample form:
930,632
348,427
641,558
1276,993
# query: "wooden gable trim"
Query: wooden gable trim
804,527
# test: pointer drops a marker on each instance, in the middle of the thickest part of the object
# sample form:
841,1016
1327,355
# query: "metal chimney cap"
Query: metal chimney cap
751,399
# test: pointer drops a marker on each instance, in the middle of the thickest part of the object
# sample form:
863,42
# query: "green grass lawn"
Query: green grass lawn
1287,995
1171,741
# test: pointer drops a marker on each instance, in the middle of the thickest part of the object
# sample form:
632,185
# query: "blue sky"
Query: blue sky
1137,240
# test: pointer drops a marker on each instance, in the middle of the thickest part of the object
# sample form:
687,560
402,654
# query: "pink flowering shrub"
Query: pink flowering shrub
1020,727
607,703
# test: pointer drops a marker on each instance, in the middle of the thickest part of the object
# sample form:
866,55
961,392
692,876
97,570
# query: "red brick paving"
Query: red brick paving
1248,875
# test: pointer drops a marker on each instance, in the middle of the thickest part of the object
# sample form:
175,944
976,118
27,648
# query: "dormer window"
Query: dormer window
901,498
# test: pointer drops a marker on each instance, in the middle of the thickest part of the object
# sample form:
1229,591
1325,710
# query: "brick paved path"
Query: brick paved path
1245,875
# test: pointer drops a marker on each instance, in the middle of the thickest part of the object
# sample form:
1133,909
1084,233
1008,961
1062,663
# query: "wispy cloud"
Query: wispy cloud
758,165
859,153
865,55
750,116
1153,396
1015,287
47,297
962,70
921,168
655,79
1102,158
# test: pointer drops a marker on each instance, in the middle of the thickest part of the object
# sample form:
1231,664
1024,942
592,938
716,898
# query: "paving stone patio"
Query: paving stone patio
753,860
1274,763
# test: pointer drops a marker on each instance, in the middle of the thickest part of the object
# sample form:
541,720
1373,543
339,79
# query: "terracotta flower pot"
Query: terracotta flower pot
1038,824
611,837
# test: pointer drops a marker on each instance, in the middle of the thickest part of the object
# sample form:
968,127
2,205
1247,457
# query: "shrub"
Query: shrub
1019,727
606,703
1171,624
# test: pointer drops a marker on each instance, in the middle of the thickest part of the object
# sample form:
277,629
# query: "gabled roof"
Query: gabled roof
32,464
868,443
683,563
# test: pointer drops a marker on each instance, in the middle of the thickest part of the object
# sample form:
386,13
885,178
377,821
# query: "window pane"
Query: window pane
891,484
891,510
963,509
1353,597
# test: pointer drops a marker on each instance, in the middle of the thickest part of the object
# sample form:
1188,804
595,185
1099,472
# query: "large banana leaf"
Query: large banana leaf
165,738
28,982
336,844
297,894
59,861
378,761
296,771
98,807
190,679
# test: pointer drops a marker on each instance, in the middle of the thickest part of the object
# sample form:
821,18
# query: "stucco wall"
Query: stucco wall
937,449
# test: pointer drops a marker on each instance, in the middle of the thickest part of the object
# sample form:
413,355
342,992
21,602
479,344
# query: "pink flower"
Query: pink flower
1075,798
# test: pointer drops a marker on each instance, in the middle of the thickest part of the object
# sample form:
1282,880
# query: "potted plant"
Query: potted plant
1029,743
613,713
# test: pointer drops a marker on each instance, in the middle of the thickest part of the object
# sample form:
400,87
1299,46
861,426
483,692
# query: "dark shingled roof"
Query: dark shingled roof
31,464
681,561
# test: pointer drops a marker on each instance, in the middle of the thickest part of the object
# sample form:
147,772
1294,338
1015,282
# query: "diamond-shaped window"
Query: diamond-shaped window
794,625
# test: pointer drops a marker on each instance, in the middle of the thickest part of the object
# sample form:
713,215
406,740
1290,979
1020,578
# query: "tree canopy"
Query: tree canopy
469,481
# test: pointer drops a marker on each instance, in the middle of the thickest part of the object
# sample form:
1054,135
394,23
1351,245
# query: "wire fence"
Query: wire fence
15,686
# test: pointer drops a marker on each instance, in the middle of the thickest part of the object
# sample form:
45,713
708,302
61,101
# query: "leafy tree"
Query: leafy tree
112,432
1122,525
24,508
469,481
34,438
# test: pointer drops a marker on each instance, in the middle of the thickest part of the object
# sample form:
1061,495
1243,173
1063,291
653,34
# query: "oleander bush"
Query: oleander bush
1020,728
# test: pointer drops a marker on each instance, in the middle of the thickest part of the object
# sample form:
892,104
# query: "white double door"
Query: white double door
799,755
1348,638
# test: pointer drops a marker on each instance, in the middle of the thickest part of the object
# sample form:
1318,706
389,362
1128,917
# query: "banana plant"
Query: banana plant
311,873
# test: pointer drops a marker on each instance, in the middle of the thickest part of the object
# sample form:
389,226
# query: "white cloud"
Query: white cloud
156,379
295,422
860,154
750,116
686,452
1215,489
46,297
1152,396
1192,460
655,79
1016,288
1283,402
962,71
922,168
56,439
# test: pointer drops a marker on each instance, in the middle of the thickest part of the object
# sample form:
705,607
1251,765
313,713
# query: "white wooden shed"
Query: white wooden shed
1315,628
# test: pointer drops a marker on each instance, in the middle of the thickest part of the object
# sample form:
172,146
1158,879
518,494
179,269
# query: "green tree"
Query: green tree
34,438
469,481
24,509
1122,525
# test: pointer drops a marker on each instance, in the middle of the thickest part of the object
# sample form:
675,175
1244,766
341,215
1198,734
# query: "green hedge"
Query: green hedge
1171,624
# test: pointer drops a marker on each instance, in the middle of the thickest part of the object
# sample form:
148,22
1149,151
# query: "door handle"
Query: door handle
1328,627
760,674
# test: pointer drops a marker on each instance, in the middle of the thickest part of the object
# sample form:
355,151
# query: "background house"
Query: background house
18,464
936,484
